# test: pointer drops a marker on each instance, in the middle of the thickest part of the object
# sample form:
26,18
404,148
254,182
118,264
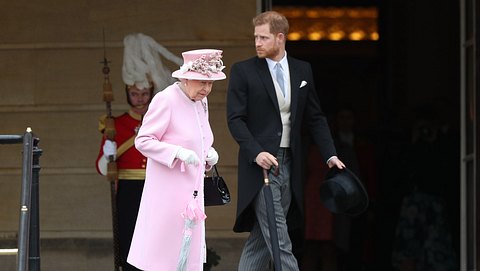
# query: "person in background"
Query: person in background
177,140
424,234
355,235
130,164
271,98
141,78
320,247
336,241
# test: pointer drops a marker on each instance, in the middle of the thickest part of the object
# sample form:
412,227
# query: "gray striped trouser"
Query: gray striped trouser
257,251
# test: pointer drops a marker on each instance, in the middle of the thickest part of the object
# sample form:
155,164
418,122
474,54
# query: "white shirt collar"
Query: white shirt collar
271,63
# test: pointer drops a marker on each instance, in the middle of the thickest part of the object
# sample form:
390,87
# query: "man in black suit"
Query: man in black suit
271,99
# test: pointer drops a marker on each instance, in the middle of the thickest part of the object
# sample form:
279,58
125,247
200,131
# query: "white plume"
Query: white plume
142,63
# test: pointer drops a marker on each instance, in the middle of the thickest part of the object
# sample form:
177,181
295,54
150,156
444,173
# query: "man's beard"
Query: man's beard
270,53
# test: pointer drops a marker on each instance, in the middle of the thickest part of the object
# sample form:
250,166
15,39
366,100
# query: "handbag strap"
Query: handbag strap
215,171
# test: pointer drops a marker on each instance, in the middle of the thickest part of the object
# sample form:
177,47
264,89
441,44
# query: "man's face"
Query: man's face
267,44
139,97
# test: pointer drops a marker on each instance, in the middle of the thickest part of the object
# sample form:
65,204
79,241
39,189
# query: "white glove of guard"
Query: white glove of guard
109,149
212,157
188,156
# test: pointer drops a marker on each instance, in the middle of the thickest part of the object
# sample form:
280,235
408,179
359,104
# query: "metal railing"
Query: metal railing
28,251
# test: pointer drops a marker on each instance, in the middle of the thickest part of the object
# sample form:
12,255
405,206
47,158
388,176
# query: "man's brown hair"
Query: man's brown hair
277,22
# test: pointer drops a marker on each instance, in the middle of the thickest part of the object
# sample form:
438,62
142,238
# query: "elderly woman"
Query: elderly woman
177,139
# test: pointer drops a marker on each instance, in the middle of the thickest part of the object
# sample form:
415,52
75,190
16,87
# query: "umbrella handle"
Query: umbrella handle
265,174
265,177
276,170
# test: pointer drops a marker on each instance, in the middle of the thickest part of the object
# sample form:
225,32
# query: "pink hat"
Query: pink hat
203,64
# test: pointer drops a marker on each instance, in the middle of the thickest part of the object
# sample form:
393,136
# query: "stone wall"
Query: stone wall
51,79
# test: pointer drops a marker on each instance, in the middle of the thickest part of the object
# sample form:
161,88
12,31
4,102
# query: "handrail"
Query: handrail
34,244
11,139
25,199
28,251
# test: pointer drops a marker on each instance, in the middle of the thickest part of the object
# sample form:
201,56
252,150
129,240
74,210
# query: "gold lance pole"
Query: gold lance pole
112,174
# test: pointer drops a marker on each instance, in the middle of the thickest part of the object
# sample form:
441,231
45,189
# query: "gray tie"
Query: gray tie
279,76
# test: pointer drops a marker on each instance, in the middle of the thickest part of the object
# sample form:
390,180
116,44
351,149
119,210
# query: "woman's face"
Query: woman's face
197,89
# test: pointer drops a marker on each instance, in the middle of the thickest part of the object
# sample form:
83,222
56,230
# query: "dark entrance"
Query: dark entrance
405,91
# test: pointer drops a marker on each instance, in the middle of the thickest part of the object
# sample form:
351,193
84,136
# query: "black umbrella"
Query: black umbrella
272,225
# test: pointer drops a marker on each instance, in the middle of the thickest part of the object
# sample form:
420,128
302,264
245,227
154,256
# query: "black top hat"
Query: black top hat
343,193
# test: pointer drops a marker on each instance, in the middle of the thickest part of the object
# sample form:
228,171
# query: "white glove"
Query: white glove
109,149
212,157
188,156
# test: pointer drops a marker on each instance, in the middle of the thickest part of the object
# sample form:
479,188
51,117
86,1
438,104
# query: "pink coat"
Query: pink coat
172,121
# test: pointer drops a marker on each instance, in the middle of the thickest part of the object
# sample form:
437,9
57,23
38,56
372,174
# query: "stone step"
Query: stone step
96,254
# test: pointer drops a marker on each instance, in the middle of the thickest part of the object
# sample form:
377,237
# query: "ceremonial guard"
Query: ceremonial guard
142,78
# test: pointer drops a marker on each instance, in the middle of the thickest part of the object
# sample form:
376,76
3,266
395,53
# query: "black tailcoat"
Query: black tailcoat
255,123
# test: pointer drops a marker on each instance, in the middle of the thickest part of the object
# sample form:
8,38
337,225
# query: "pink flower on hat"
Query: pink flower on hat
206,64
203,64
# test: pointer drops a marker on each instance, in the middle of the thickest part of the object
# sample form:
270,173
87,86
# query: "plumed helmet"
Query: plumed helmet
142,65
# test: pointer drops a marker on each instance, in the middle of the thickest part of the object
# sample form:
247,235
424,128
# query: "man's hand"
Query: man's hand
266,160
334,161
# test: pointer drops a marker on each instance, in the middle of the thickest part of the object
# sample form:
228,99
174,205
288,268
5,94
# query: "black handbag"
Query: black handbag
215,189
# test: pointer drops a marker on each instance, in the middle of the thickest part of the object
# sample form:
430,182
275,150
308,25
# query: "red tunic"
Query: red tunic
131,163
